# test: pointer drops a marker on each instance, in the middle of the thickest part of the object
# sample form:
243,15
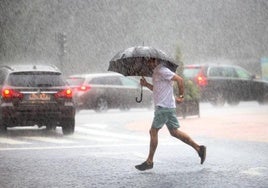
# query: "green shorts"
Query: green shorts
165,116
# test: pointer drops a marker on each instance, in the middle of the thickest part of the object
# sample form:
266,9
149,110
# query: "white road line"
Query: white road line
11,141
109,134
257,171
85,133
50,140
93,138
75,147
94,125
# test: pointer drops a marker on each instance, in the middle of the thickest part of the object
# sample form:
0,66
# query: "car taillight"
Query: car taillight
66,93
84,88
201,80
10,93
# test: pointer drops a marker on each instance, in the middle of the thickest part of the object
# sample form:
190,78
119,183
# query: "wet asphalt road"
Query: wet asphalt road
106,147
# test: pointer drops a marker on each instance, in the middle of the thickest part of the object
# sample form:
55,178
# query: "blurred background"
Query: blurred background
83,35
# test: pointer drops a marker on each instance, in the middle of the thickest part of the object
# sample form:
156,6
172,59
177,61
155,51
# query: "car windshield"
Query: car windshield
35,79
191,72
243,73
106,80
75,81
129,82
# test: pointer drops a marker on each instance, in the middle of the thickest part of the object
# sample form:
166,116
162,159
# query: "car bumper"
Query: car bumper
20,116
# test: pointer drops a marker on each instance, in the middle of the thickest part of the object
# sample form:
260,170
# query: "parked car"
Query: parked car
104,91
226,83
35,95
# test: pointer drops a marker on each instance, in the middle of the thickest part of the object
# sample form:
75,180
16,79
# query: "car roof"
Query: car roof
32,67
95,75
209,65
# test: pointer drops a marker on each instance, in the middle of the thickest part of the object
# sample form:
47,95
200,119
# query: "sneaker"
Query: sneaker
202,153
144,166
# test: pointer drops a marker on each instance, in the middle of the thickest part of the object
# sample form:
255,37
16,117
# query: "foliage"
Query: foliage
191,91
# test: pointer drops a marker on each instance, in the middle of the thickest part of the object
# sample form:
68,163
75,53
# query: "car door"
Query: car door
217,85
223,84
233,88
245,84
3,75
113,90
131,91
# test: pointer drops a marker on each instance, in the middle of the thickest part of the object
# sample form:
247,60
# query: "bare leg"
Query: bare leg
153,144
185,138
148,164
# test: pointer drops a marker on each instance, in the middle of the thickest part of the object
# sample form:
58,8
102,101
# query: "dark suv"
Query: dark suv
226,83
35,95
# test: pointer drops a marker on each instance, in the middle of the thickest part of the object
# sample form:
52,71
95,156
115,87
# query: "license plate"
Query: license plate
39,96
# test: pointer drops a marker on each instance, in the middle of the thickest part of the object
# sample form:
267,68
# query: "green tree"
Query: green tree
178,58
191,91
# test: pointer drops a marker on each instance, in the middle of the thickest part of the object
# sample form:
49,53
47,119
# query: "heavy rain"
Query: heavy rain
96,142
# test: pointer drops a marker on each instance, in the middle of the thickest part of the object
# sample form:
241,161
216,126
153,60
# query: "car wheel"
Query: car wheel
101,105
77,110
233,102
124,107
3,127
263,100
51,126
68,126
219,100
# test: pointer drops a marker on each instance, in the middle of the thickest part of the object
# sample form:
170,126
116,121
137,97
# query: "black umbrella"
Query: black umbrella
133,62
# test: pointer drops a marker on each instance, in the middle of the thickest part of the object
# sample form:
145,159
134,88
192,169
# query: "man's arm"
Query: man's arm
180,84
143,82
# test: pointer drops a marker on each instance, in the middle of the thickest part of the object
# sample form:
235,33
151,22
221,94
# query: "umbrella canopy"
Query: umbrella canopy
133,61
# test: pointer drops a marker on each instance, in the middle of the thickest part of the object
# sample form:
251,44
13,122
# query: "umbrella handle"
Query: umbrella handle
139,100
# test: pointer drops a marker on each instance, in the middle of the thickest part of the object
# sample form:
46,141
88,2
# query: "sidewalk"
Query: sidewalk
237,127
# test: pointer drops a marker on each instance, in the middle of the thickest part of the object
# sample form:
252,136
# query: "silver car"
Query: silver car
104,91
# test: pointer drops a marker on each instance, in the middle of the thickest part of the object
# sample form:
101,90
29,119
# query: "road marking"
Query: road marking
50,140
94,126
70,147
80,134
83,134
11,141
90,132
78,146
92,138
257,171
109,134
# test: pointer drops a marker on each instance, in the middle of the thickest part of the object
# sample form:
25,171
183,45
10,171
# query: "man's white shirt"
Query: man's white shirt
163,87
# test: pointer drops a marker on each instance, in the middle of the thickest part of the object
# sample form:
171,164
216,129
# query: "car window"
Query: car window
35,79
229,72
191,72
129,82
75,81
106,80
215,72
3,75
242,73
